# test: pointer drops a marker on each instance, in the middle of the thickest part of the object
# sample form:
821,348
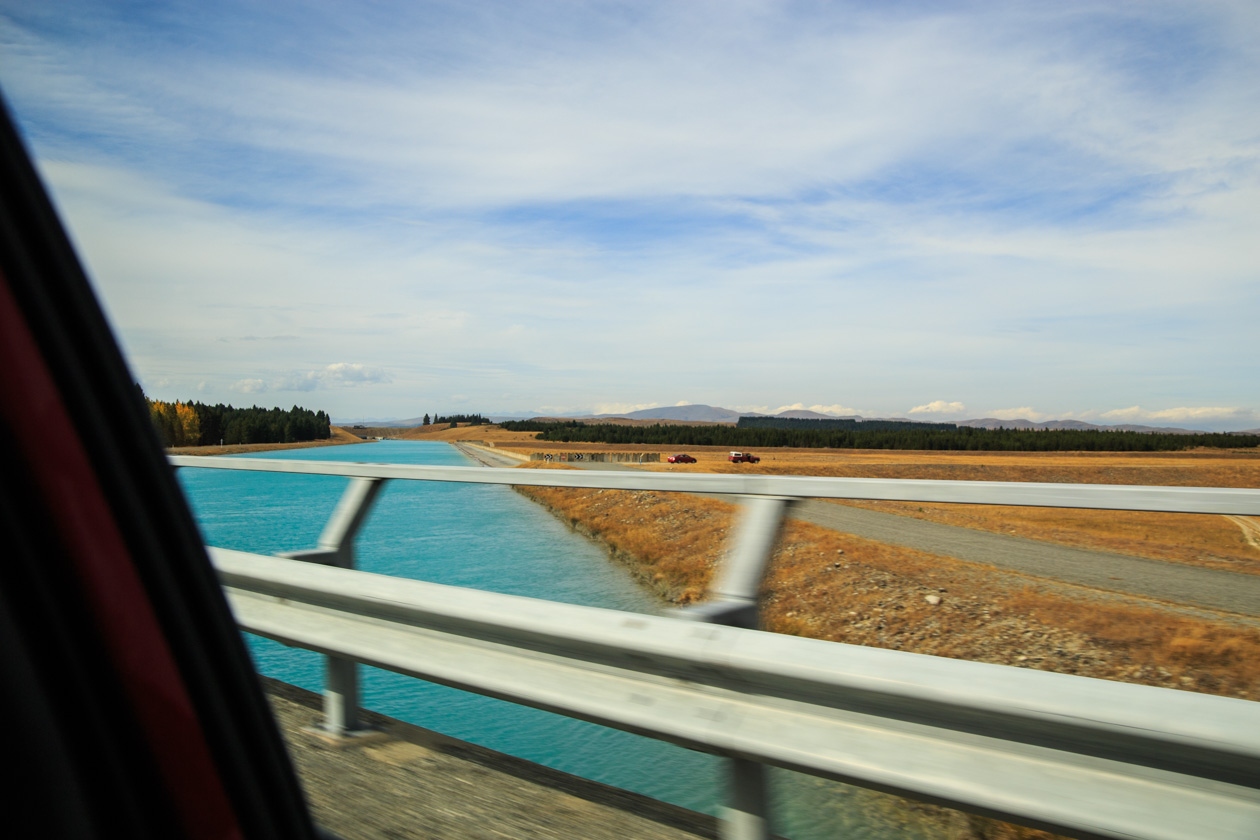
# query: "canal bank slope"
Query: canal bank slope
337,437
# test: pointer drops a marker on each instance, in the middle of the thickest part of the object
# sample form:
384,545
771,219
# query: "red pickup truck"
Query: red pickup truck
743,458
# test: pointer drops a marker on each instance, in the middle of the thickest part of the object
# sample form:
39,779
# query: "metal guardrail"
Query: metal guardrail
1242,502
1079,756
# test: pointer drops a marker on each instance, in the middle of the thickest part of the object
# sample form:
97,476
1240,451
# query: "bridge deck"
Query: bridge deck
414,783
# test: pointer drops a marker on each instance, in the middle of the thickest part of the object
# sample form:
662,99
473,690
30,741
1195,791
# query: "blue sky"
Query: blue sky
928,210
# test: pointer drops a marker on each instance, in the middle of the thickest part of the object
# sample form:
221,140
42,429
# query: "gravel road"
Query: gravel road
1164,581
1175,583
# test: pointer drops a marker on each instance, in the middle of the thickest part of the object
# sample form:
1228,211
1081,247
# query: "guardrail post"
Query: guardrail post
747,817
733,602
336,548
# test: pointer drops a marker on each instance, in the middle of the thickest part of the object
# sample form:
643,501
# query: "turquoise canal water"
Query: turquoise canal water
491,538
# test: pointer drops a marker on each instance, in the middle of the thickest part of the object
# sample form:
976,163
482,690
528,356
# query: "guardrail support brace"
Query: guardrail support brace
738,579
735,592
351,512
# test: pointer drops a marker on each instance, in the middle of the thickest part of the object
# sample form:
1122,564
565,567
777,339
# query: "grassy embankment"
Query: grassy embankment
338,437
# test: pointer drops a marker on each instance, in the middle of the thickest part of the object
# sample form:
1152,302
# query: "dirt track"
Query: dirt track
1250,528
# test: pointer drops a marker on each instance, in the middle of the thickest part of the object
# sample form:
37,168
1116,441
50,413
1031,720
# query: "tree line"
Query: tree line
469,419
198,424
929,437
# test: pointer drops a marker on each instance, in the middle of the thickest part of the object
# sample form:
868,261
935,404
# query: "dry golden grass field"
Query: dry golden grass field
1211,541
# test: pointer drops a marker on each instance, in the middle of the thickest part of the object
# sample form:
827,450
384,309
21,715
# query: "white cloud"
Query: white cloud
249,386
308,381
1134,414
346,373
338,375
839,409
821,409
939,407
623,408
1024,413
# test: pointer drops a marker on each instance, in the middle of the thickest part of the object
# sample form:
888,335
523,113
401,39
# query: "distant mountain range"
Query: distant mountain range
691,413
1079,425
714,414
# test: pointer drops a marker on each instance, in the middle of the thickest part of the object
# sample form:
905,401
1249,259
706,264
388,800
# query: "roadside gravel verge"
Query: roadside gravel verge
408,782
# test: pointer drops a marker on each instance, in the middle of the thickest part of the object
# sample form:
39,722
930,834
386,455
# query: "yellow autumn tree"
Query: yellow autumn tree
177,423
188,425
